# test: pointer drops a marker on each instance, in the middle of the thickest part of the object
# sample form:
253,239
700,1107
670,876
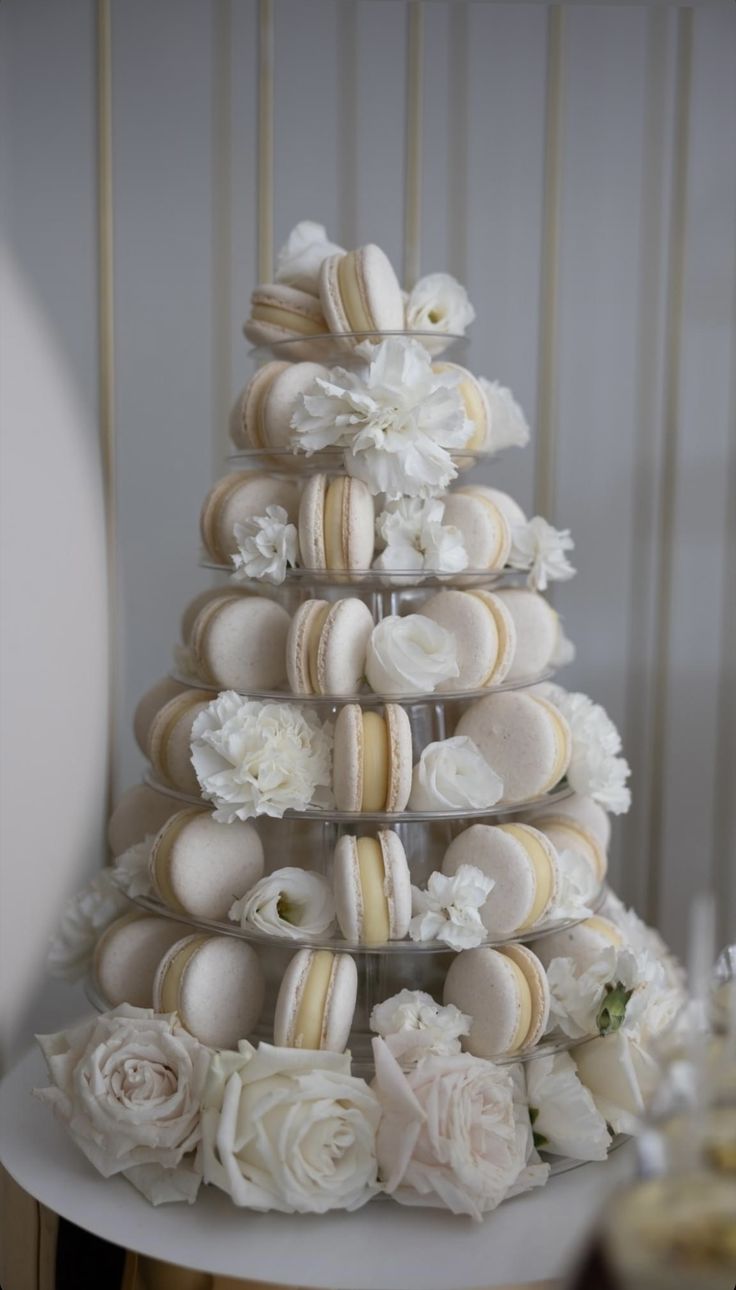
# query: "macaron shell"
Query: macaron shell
221,991
301,629
482,984
359,518
347,772
237,498
169,744
379,301
127,955
536,626
502,857
342,647
517,736
199,602
347,889
506,630
584,943
240,644
587,812
311,523
397,883
138,814
340,1005
150,703
296,316
570,835
200,866
468,619
245,418
536,978
400,757
279,404
504,501
476,404
287,1002
485,531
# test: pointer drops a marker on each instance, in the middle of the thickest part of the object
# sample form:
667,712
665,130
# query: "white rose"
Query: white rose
448,1134
289,1130
438,302
565,1118
410,655
84,916
300,259
128,1086
449,910
288,902
451,775
414,1025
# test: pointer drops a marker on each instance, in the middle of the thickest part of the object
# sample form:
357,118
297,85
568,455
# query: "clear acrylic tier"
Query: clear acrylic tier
344,348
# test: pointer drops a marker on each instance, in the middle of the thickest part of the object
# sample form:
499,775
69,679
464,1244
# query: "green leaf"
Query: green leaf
612,1011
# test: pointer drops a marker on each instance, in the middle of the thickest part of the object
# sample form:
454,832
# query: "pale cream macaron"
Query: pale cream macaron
152,702
216,986
236,498
523,737
239,643
281,313
262,414
360,292
537,630
336,524
584,943
484,634
585,811
522,862
503,501
316,1001
199,866
198,602
506,994
169,740
137,815
127,956
568,834
372,886
246,418
326,646
372,760
483,527
474,401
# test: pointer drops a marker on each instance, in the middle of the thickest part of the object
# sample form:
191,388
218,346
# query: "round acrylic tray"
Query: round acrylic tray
376,580
341,349
331,461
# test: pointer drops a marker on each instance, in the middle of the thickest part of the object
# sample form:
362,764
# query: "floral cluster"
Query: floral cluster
453,775
414,539
596,769
449,909
293,903
267,544
410,655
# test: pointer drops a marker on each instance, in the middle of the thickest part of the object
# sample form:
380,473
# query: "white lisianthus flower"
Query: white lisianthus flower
415,539
508,427
409,655
621,1077
131,872
253,758
438,302
397,420
612,992
452,775
448,1135
288,902
289,1130
413,1025
577,888
128,1085
449,910
596,770
539,548
300,259
85,915
564,1117
267,545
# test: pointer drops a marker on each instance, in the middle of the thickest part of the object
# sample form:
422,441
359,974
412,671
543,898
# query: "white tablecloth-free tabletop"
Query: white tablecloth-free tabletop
381,1247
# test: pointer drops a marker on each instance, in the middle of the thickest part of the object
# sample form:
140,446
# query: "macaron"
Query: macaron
584,943
537,626
522,862
238,497
484,633
476,404
198,602
326,646
316,1001
239,643
200,867
505,992
281,313
138,814
586,811
372,759
360,292
504,501
169,740
336,524
484,529
567,834
372,886
127,956
215,984
245,423
523,737
150,703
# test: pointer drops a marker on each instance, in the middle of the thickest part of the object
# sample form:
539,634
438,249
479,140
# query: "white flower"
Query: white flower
414,1026
595,769
289,1130
267,545
288,902
644,939
409,655
621,1077
564,1116
535,1172
451,775
508,427
448,1134
128,1085
577,887
396,419
610,993
564,650
449,910
132,869
185,663
540,548
83,918
415,538
253,758
438,302
300,259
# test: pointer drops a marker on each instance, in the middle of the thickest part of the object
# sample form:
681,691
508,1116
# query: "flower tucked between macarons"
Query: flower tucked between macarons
596,770
449,909
453,775
409,655
267,545
300,258
289,902
539,548
415,539
438,302
414,1025
84,916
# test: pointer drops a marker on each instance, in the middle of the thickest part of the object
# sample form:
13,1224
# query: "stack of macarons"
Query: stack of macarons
523,863
372,886
505,992
523,737
127,955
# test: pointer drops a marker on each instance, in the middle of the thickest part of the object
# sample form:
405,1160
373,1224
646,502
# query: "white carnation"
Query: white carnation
611,993
84,916
449,910
416,540
396,419
300,259
253,758
577,887
132,869
539,548
414,1025
564,1116
596,770
507,427
438,302
409,655
288,902
267,545
452,775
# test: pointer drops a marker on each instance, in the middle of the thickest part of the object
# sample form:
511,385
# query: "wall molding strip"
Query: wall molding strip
221,301
265,140
413,145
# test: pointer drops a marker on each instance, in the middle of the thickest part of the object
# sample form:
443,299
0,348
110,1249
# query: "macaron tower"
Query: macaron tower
307,856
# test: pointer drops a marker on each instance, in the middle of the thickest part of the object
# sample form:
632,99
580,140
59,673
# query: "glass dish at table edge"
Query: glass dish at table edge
367,698
336,943
400,580
333,816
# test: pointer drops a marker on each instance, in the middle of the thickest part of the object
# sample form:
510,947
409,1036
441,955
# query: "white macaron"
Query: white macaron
584,943
199,866
152,702
372,760
239,643
483,527
326,646
169,740
568,834
336,524
281,313
523,737
506,994
360,292
215,984
239,497
537,627
138,814
127,956
523,865
316,1001
372,886
585,811
484,633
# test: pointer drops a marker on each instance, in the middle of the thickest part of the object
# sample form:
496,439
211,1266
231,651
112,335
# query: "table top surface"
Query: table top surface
384,1245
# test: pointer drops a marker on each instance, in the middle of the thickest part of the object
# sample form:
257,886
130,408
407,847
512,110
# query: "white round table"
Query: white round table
381,1247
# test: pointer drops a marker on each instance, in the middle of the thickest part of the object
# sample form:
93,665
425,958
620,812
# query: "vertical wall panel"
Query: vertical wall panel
381,37
243,231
